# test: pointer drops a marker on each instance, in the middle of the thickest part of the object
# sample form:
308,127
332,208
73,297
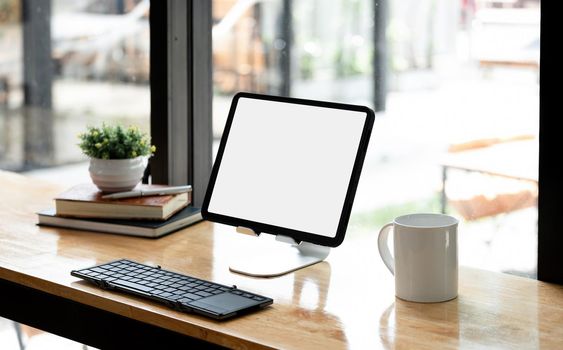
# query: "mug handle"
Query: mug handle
384,247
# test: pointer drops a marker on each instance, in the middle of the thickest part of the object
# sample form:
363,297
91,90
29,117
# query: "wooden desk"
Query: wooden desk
312,309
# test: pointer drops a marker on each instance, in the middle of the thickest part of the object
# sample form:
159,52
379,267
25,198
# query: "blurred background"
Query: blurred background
454,85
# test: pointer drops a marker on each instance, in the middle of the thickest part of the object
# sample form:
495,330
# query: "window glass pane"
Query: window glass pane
69,65
456,94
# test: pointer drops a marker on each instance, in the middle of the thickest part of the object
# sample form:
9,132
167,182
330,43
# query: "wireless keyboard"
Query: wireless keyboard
178,291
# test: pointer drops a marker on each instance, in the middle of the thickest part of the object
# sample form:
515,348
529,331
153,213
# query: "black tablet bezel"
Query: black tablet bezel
298,236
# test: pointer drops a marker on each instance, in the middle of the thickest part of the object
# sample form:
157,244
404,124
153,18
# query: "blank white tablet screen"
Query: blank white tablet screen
287,165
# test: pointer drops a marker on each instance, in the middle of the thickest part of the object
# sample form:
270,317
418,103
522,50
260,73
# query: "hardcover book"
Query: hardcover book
142,228
85,201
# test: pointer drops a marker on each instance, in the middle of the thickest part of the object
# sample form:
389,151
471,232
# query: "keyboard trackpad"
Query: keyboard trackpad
224,303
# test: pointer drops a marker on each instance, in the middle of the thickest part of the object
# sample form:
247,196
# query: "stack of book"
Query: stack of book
82,207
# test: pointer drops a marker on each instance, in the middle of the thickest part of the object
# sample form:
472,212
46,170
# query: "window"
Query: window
456,87
436,72
65,65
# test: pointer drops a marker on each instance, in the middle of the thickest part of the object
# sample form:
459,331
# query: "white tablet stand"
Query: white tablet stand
278,258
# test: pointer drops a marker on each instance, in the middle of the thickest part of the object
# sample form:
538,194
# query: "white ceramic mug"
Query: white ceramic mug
425,256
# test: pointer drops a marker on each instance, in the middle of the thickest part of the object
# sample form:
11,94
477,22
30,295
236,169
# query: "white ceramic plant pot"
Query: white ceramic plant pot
116,175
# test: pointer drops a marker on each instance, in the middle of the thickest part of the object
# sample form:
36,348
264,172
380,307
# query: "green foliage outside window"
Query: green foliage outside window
9,12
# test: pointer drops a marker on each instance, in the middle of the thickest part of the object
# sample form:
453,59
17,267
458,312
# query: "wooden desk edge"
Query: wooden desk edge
133,309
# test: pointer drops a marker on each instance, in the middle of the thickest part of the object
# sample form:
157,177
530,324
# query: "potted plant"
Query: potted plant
118,156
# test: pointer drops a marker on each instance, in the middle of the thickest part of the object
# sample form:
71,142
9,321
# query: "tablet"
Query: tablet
288,166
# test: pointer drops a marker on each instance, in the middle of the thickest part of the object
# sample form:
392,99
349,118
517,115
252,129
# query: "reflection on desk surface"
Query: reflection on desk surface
346,302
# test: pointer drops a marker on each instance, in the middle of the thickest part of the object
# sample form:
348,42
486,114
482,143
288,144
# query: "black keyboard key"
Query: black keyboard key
203,294
192,296
185,300
132,285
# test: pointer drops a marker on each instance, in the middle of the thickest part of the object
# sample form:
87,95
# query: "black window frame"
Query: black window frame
181,98
550,237
195,163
